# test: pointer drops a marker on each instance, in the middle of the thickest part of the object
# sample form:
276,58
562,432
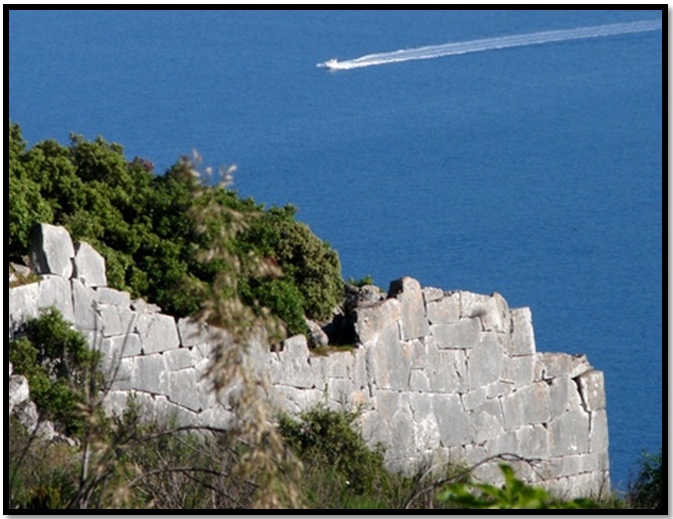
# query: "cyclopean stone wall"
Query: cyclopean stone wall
439,376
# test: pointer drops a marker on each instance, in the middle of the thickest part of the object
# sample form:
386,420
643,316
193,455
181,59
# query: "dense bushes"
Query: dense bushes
646,491
58,364
144,226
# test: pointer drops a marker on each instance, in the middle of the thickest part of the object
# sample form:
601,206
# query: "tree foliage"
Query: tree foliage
143,225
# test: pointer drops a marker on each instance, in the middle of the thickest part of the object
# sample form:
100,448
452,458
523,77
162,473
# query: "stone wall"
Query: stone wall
439,376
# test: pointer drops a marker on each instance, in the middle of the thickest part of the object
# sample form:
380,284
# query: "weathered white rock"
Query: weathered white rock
149,373
414,322
110,296
535,403
370,321
22,305
569,434
598,430
522,334
117,320
486,421
89,266
533,441
55,291
484,362
447,371
18,391
431,294
444,310
552,365
51,250
317,336
592,389
180,387
84,306
386,364
454,427
518,370
192,332
157,332
463,334
563,396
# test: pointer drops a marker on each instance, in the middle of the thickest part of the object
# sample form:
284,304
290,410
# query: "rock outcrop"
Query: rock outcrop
438,376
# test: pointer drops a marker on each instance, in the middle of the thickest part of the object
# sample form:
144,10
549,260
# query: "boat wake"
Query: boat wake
501,42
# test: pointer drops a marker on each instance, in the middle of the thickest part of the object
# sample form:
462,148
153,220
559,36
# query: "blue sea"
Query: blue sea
534,171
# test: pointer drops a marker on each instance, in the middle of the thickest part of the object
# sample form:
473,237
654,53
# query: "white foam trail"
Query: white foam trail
500,42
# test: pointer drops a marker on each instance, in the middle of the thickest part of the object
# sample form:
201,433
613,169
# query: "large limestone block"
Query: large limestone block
486,421
192,332
157,332
89,266
357,370
492,311
376,430
592,389
115,348
217,417
179,359
340,392
387,365
563,395
181,388
117,320
598,442
447,371
414,321
518,370
55,291
463,334
84,306
512,407
419,381
51,250
454,426
121,377
552,365
149,373
22,305
295,400
570,433
294,368
403,429
431,294
535,403
484,362
522,334
110,296
534,441
426,430
445,310
170,412
370,321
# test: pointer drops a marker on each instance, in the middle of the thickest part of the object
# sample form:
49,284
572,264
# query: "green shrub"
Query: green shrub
647,489
514,494
337,461
57,362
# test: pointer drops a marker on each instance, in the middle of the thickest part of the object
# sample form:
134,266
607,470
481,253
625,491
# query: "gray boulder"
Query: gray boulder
52,250
89,266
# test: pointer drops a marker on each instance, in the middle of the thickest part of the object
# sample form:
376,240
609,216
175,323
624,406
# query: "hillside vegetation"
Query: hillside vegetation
143,225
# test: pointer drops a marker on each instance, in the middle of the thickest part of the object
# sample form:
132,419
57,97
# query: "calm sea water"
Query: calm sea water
534,171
